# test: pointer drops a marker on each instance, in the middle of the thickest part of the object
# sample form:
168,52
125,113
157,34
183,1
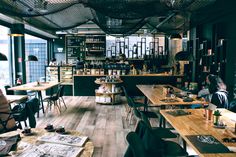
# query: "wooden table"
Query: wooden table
155,94
196,124
33,86
16,98
88,146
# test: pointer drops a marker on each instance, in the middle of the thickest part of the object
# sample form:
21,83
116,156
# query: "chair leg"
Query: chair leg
128,112
131,116
63,102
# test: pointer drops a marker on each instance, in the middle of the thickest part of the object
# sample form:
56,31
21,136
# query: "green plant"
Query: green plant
217,113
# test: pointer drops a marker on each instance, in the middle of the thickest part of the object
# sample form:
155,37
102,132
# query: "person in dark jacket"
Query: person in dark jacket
218,90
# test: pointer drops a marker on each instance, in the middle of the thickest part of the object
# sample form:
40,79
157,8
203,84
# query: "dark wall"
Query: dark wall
223,28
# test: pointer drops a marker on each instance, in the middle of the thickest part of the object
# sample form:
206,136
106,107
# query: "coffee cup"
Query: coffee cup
61,129
27,130
49,126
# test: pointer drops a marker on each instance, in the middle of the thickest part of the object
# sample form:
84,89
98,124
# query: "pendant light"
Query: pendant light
16,30
32,58
3,57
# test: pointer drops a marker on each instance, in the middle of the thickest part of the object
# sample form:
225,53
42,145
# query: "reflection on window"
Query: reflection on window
35,70
4,49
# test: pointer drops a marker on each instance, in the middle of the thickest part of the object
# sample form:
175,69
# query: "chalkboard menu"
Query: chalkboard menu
84,46
75,47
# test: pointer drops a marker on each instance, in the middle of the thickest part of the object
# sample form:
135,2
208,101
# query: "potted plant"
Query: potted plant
216,115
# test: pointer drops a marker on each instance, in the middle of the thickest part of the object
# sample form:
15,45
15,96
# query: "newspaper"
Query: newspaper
50,150
64,139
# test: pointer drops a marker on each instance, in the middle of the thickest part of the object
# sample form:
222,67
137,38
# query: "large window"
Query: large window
4,49
35,70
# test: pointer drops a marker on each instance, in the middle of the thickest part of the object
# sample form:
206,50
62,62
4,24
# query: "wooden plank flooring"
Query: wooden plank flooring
105,125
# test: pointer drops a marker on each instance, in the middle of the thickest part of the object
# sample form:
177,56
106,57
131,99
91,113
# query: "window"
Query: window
35,70
4,49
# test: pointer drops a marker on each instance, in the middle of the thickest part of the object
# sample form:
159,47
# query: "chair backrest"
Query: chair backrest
152,143
136,147
129,99
61,91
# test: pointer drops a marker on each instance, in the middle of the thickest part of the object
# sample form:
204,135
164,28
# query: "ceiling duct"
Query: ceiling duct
41,5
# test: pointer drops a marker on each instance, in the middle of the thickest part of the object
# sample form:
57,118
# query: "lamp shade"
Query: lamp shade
183,56
32,58
17,30
3,57
175,37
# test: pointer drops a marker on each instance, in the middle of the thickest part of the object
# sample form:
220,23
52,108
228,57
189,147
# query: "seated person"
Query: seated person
79,63
53,61
218,90
4,116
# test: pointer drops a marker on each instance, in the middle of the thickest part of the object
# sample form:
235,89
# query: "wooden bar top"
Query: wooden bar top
155,94
196,124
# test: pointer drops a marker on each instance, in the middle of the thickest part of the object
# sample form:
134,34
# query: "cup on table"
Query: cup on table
60,129
27,130
49,127
208,114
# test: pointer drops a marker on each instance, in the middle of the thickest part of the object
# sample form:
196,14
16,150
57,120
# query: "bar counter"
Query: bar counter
84,85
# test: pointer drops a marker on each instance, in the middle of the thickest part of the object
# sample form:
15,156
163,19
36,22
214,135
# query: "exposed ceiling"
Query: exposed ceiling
121,17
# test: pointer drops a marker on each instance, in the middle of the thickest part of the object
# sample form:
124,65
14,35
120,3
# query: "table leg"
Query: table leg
184,145
146,103
41,102
162,119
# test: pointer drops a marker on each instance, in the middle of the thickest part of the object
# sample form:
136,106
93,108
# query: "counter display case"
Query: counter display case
63,74
66,74
109,91
52,73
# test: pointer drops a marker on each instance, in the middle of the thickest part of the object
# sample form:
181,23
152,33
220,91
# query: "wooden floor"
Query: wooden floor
105,125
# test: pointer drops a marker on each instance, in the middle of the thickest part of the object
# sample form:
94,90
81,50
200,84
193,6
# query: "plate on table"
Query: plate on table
27,134
219,126
49,130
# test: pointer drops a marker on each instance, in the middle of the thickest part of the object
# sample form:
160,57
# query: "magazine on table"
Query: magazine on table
64,139
50,150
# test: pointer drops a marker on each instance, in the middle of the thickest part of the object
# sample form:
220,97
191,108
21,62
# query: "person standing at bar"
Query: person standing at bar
218,90
79,63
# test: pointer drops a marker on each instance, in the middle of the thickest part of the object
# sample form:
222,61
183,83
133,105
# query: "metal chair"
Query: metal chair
53,100
131,104
61,95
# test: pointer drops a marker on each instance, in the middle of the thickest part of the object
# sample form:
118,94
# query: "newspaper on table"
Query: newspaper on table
70,140
50,150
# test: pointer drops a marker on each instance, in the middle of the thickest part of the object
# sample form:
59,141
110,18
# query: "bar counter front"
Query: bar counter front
84,85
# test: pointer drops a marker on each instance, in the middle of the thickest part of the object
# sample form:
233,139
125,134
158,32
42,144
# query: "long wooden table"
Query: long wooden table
88,146
33,86
196,124
155,94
